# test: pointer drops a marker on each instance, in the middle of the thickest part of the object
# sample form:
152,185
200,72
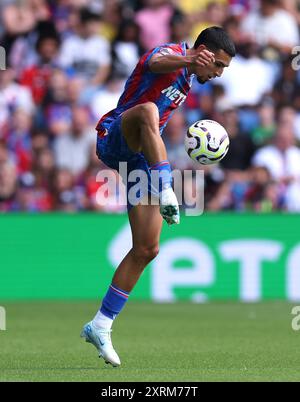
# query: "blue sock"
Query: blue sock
165,176
113,302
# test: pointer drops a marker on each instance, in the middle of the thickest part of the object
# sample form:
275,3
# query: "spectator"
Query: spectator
8,186
27,20
30,197
267,124
72,149
222,200
272,26
292,197
19,139
112,13
214,15
75,91
180,28
241,7
160,11
241,146
18,19
240,90
87,53
36,76
271,198
12,96
4,153
39,141
286,89
68,196
115,193
107,97
259,177
292,6
126,49
43,168
57,114
281,157
287,115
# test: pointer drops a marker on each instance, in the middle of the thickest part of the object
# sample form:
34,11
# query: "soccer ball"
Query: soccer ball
206,142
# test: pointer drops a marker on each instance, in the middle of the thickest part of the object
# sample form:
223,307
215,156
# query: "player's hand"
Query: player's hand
203,58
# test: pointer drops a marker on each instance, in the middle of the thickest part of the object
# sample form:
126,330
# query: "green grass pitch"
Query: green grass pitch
156,342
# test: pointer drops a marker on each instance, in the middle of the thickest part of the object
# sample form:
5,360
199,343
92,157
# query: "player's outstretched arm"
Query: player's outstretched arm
164,62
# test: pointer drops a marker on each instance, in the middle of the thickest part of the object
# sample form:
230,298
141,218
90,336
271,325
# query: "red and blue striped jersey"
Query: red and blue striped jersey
167,91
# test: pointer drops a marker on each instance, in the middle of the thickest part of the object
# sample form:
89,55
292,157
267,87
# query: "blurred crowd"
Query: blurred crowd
66,65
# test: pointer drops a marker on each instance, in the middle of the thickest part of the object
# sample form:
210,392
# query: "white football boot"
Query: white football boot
101,339
169,208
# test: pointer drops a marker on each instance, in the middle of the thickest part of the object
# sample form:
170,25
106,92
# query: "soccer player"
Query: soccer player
132,133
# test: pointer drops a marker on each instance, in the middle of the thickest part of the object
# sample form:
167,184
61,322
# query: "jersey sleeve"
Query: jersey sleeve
163,50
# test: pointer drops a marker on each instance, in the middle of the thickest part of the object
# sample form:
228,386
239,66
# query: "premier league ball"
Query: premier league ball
206,142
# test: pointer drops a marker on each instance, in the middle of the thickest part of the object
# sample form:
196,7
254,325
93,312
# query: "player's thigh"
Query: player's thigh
146,224
132,121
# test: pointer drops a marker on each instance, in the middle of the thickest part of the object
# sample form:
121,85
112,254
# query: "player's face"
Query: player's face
214,69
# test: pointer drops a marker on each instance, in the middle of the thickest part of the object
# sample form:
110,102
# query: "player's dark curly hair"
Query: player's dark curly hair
216,38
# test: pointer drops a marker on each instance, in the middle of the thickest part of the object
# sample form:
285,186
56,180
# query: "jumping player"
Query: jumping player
132,133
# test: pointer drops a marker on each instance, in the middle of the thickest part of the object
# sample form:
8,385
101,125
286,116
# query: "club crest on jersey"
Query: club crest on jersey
174,95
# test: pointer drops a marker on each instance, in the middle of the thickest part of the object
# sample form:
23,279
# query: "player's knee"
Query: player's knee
148,113
146,254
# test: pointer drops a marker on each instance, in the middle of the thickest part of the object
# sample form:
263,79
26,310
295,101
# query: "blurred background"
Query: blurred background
67,61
